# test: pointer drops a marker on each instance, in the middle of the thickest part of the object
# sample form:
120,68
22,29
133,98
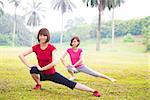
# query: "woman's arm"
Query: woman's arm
22,57
63,60
53,63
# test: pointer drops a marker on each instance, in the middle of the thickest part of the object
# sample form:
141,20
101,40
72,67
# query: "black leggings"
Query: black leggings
56,77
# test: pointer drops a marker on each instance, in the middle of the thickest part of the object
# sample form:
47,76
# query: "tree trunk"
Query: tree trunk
113,28
32,39
61,36
14,29
98,32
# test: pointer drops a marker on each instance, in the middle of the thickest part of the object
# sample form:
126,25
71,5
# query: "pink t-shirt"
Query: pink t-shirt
74,56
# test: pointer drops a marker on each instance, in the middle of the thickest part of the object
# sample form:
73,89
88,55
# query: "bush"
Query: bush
146,40
5,39
128,38
105,40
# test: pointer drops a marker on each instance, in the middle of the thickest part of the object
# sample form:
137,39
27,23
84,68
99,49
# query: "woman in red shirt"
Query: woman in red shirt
47,59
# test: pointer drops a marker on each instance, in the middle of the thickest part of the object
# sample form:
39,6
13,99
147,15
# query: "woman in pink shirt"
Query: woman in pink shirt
45,69
77,65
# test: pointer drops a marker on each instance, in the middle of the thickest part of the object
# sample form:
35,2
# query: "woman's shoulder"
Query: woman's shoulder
80,49
51,46
69,49
35,47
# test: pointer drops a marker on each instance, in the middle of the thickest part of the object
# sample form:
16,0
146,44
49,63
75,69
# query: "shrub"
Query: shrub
105,40
128,38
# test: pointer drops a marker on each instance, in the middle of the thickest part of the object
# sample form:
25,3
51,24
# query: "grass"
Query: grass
125,62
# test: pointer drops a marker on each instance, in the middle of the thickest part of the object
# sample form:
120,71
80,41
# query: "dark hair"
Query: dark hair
77,38
45,32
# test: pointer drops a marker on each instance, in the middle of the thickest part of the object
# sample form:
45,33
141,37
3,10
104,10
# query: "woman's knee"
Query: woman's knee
34,70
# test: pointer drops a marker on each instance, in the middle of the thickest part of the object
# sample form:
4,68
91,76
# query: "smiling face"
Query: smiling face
43,36
75,41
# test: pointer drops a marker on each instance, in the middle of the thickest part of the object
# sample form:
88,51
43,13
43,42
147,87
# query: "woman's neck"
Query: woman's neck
43,45
74,48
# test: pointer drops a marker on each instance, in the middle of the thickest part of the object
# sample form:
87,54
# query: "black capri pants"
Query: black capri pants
56,77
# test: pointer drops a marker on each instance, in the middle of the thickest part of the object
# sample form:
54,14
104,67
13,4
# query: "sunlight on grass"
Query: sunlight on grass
129,66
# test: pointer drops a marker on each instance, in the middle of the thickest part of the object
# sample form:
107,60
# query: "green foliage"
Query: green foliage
135,26
122,28
128,38
22,33
106,30
105,40
146,32
79,28
5,39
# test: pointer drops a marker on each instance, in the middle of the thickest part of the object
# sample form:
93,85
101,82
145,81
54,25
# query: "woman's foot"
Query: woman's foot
37,87
113,80
96,93
72,78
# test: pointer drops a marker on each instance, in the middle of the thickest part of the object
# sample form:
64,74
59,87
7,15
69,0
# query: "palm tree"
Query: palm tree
16,4
101,5
1,8
35,12
114,4
63,6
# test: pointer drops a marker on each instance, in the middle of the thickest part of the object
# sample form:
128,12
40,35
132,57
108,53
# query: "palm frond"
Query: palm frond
63,5
36,13
38,4
2,4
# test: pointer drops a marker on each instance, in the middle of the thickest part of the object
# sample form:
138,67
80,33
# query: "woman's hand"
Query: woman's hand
72,66
39,68
30,66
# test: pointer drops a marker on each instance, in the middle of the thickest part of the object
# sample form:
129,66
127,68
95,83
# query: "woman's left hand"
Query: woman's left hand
72,66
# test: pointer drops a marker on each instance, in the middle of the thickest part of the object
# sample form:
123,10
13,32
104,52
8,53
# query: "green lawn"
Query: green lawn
125,62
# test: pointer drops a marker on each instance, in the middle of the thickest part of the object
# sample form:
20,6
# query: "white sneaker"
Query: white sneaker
72,78
113,80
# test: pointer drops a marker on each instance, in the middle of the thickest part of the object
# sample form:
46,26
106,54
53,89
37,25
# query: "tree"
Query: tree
71,23
1,8
101,5
22,33
63,6
16,4
35,12
114,4
146,33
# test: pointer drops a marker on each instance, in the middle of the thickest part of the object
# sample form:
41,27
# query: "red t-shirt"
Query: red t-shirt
44,57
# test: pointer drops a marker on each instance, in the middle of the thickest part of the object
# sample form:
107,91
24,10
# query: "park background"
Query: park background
117,45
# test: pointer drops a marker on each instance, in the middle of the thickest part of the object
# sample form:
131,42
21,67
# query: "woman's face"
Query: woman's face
42,38
75,43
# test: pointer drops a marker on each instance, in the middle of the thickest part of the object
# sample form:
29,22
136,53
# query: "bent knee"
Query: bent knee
34,70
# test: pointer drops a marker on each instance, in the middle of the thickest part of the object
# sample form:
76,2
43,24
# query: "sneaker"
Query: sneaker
72,78
96,93
37,87
113,80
